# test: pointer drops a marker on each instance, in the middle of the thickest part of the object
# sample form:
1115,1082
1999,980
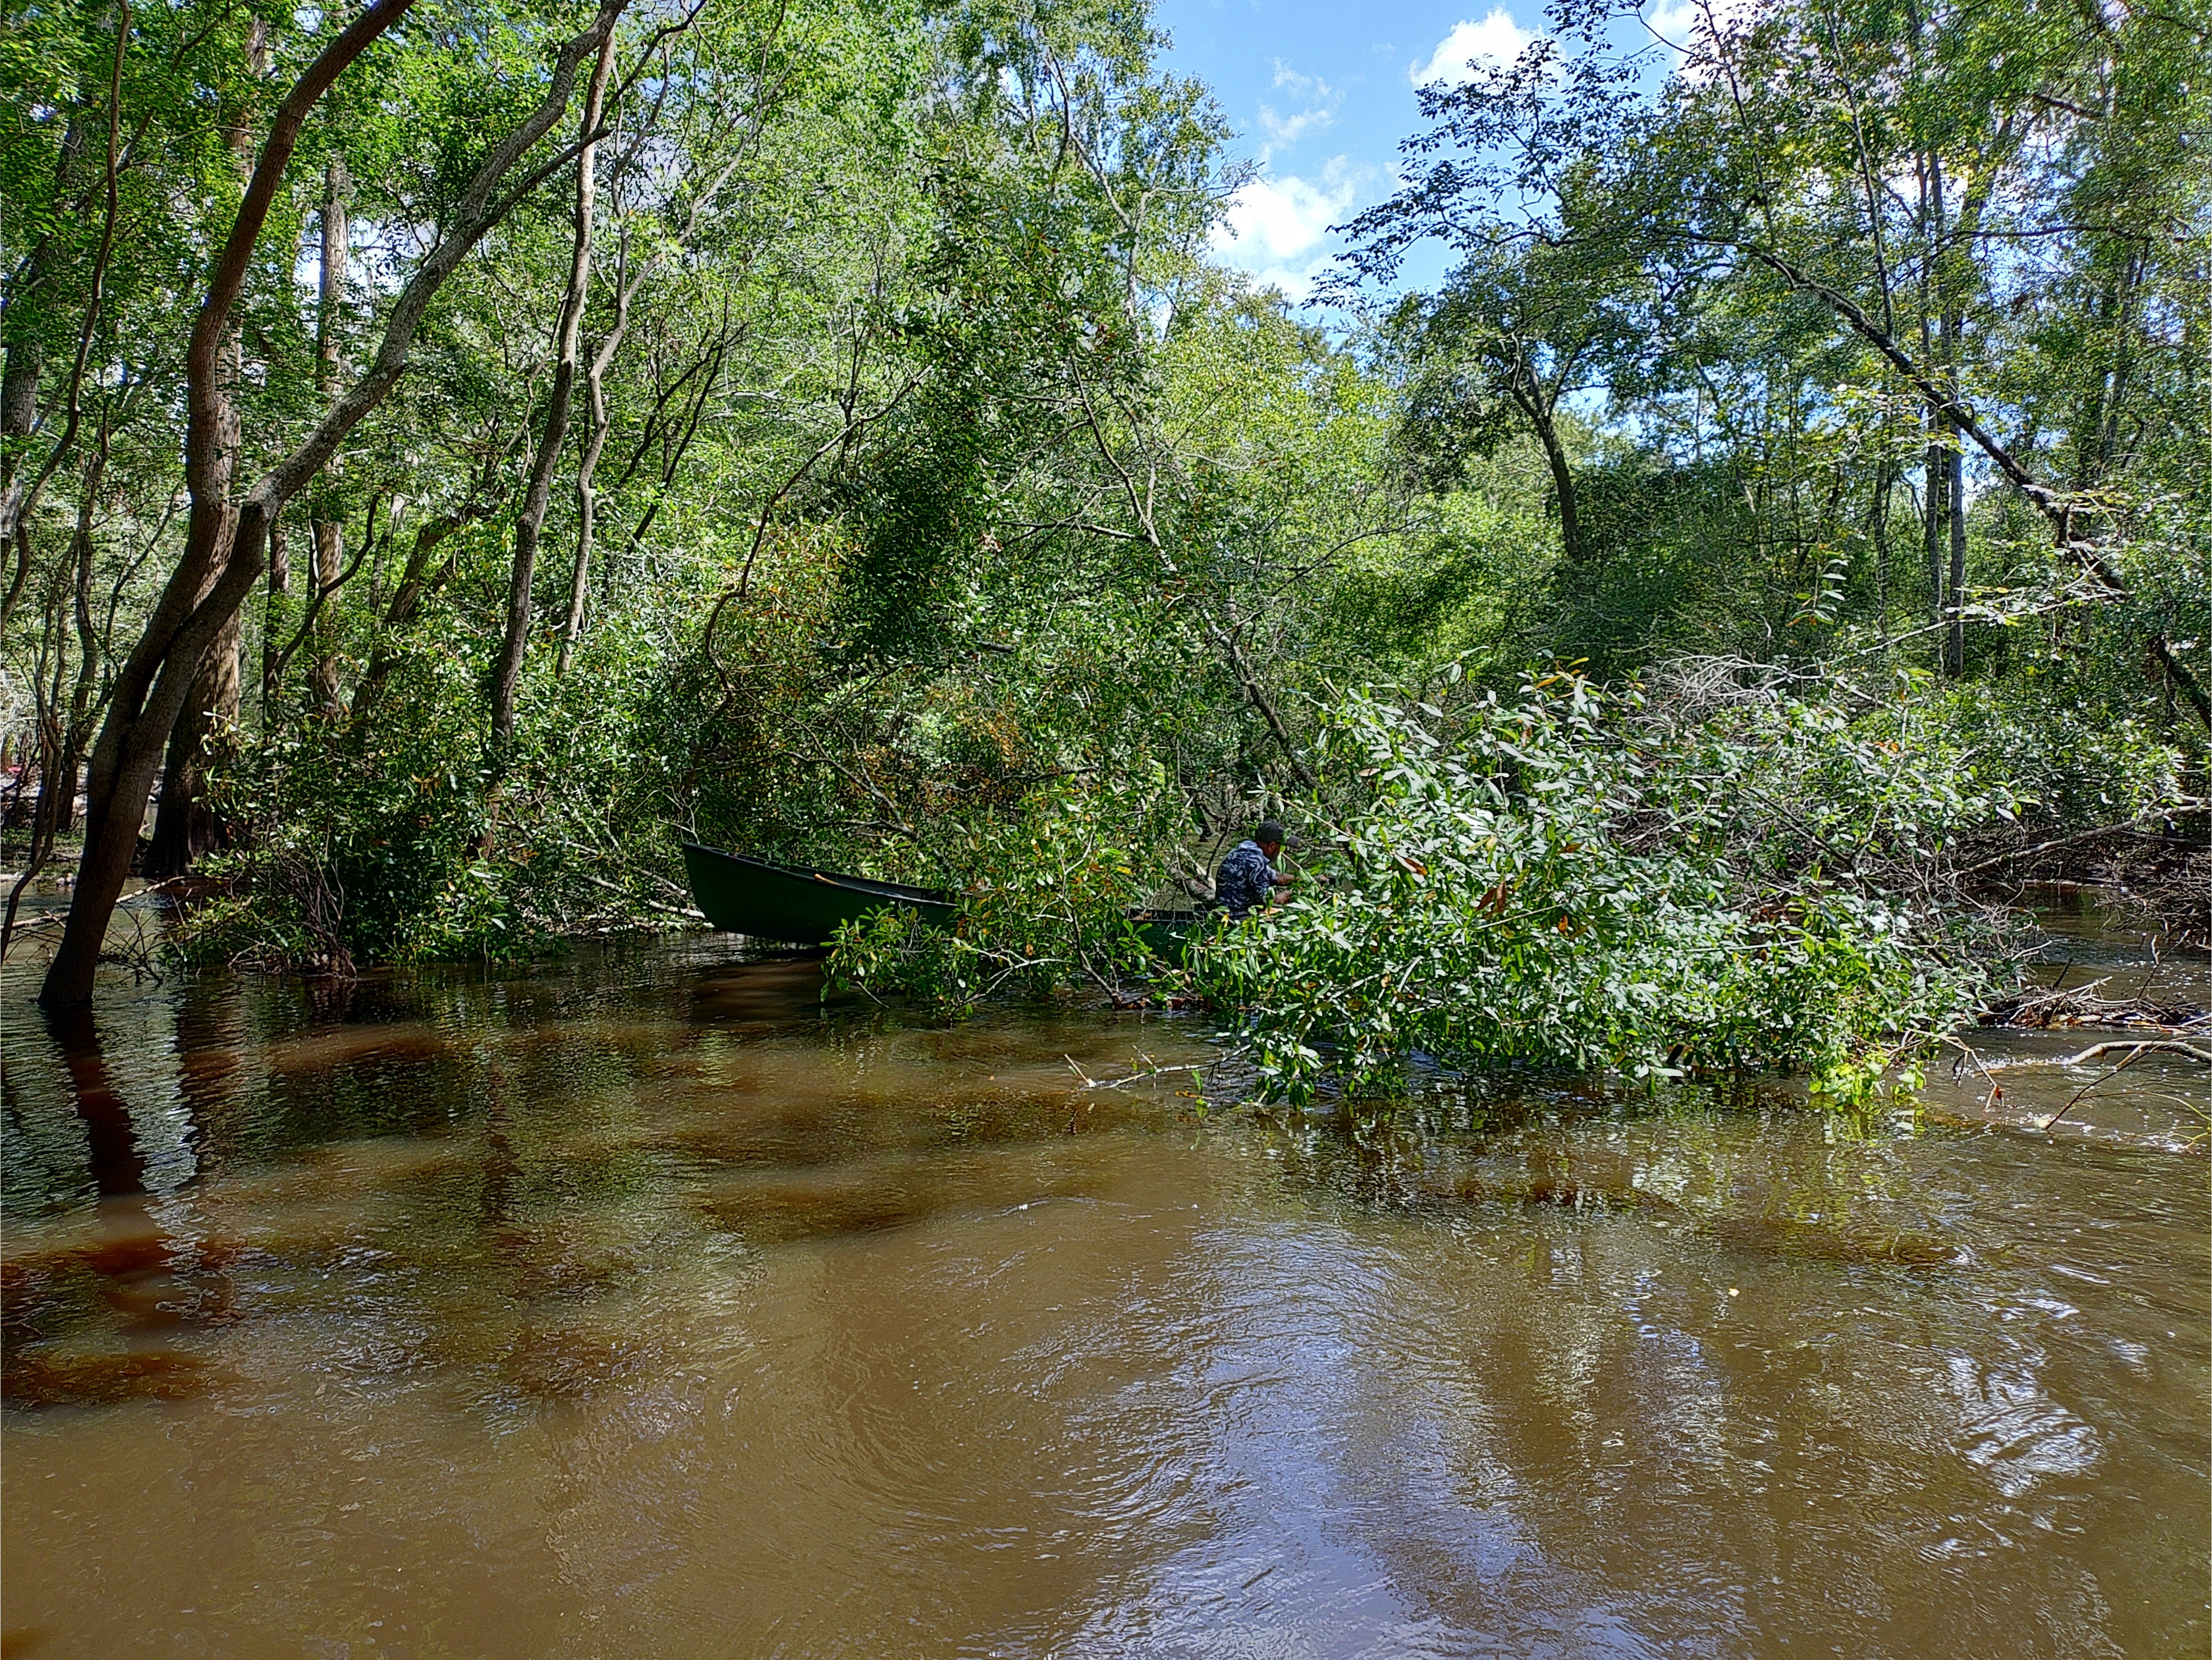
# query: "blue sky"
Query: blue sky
1320,95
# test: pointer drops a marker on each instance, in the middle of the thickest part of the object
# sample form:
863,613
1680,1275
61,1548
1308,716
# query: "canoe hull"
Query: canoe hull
1167,933
769,900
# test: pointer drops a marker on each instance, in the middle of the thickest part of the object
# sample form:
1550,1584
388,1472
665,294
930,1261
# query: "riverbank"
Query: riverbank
2078,939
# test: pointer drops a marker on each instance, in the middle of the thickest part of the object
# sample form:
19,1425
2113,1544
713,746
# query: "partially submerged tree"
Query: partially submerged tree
225,549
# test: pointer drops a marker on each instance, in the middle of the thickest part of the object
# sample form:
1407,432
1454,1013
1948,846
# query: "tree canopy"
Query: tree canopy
447,455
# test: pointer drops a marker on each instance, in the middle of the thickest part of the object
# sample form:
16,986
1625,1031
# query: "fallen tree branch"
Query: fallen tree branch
2093,1082
2079,836
2135,1046
1150,1072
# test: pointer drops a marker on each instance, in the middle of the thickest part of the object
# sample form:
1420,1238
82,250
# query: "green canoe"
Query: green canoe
1167,932
769,900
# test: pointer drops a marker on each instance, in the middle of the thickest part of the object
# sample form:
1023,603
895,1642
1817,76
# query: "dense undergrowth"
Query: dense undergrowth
1554,878
1726,875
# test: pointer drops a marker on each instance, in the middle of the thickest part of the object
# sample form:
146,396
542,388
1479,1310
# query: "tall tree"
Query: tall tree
226,541
507,671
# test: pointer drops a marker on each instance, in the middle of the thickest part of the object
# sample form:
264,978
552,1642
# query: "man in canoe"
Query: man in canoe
1247,877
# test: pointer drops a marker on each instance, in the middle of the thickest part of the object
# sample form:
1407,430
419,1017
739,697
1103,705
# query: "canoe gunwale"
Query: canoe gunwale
867,884
767,899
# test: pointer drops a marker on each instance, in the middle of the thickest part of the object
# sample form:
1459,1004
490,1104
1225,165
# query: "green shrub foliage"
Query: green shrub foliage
1550,879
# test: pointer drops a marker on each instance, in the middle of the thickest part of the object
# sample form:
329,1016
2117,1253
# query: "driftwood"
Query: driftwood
2134,1047
2082,1006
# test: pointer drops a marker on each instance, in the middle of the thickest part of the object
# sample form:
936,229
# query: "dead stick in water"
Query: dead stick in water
2170,1045
2093,1082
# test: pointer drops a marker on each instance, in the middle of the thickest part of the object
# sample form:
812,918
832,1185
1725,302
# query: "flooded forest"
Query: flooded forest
777,883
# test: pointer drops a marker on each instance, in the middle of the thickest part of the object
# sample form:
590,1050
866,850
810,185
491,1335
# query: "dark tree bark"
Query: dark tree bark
280,584
1541,410
1563,481
185,827
183,823
227,543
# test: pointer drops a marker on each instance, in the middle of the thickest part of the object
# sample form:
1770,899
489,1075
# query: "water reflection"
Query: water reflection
640,1305
112,1156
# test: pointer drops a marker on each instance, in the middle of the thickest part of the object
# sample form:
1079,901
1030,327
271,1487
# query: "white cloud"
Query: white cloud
1277,228
1496,39
1283,130
1673,19
1282,218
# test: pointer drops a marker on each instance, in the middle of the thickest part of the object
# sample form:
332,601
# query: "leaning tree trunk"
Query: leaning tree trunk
183,823
229,541
1538,409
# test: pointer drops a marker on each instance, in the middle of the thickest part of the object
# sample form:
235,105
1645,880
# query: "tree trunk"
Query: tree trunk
185,827
508,673
88,637
280,584
329,534
19,396
183,823
1563,477
1878,531
229,543
1954,644
56,779
416,583
1934,515
1954,500
587,492
329,560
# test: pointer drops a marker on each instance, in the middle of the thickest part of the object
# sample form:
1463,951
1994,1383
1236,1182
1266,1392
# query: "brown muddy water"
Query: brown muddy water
637,1306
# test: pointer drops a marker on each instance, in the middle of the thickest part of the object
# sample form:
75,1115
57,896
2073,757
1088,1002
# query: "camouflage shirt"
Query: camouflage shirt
1244,881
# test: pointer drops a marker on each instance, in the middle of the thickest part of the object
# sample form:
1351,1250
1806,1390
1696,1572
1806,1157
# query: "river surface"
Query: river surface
638,1306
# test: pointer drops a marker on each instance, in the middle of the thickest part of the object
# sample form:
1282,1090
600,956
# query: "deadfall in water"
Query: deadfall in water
643,1305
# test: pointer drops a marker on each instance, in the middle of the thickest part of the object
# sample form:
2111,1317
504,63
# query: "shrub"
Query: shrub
1044,904
1559,881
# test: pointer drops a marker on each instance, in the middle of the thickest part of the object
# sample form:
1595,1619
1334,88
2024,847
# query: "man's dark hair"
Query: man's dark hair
1268,830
